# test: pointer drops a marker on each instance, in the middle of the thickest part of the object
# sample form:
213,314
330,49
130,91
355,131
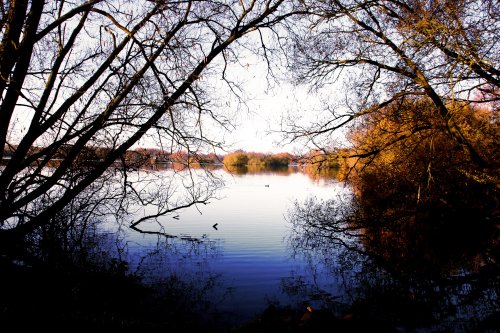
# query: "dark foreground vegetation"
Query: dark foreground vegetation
103,294
81,299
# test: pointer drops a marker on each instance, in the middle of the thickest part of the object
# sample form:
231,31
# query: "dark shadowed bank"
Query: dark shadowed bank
72,298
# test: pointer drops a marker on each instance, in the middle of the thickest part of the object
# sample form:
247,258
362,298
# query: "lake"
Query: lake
247,249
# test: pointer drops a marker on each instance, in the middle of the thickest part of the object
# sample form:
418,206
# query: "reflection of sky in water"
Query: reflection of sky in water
256,256
248,251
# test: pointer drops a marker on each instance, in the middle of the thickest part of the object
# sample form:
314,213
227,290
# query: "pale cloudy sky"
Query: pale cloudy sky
258,128
257,124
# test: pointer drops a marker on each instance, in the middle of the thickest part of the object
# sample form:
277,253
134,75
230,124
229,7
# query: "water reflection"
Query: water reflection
359,265
181,269
405,276
312,171
316,172
260,169
249,239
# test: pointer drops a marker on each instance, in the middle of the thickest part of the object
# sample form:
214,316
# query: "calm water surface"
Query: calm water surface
247,255
258,255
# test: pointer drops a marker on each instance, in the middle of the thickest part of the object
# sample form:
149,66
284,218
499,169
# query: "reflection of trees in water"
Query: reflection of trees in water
94,278
313,171
410,275
119,194
316,172
260,169
179,268
178,166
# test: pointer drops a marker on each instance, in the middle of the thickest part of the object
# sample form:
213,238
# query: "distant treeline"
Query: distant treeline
242,158
313,159
135,156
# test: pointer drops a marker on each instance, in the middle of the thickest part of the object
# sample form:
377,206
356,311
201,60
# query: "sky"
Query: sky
268,102
256,129
258,124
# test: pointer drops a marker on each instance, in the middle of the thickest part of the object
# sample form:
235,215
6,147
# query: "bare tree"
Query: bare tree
387,51
97,76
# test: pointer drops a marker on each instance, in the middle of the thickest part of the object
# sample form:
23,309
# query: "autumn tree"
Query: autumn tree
420,84
106,73
417,162
237,158
382,53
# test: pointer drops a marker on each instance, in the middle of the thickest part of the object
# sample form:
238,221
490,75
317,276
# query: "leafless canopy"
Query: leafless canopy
82,82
